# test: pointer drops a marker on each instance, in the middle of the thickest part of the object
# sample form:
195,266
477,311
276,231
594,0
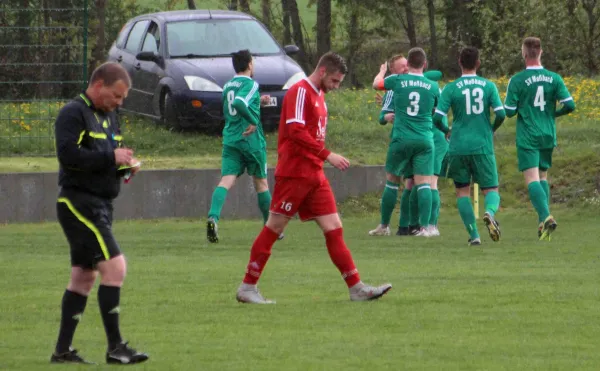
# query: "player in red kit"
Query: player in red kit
300,183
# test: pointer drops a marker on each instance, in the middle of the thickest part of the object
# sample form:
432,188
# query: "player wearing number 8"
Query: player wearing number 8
244,145
471,153
532,95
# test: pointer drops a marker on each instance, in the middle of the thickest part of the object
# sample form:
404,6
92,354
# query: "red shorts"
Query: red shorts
309,197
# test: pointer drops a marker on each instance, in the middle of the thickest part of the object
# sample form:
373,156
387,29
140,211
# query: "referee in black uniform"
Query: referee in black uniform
89,150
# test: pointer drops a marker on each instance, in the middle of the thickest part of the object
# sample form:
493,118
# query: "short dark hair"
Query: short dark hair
416,58
241,60
533,47
468,57
109,73
333,62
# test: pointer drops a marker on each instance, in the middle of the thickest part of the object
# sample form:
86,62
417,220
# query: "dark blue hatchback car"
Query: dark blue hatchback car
180,60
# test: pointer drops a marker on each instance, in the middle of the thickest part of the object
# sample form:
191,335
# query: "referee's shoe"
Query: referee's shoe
123,354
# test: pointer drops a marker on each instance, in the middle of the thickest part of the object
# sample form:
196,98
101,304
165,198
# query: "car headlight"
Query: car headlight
294,79
200,84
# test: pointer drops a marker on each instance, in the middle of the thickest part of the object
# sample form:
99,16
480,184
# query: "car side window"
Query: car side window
152,39
135,36
123,35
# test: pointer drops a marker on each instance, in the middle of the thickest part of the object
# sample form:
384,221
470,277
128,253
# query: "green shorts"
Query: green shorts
438,161
235,161
481,169
538,158
405,158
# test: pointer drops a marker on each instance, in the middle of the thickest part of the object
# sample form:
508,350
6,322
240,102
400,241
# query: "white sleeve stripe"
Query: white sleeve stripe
440,112
566,100
243,100
498,108
295,120
509,107
300,105
251,93
388,101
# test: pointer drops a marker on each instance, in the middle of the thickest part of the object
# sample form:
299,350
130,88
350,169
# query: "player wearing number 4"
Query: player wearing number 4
532,95
300,183
412,146
471,153
244,145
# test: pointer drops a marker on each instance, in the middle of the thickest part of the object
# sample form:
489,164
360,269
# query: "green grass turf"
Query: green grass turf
515,305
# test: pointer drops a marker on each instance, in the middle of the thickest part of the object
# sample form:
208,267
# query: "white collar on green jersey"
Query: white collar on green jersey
415,74
470,75
535,68
313,86
247,77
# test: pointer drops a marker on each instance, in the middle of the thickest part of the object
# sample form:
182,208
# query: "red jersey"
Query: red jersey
302,128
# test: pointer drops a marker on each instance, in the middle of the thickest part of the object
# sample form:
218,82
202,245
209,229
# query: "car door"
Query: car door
128,61
147,74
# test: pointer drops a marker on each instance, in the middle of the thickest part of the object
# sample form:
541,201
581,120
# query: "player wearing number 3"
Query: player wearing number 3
300,183
244,145
532,95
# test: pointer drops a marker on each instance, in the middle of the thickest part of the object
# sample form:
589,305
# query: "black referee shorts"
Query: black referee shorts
86,221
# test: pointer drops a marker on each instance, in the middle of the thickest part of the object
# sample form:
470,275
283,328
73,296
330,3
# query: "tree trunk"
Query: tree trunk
245,6
432,34
323,26
191,4
99,49
589,6
233,5
410,23
265,6
287,28
353,43
297,34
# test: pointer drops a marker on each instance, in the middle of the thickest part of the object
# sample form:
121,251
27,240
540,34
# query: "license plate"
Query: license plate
272,102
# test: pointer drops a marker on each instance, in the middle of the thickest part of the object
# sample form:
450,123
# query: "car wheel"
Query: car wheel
169,113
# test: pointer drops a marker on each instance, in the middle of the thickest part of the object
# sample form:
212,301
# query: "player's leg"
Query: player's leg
529,160
390,192
404,222
256,163
232,166
435,207
459,171
549,224
485,173
81,281
422,163
320,206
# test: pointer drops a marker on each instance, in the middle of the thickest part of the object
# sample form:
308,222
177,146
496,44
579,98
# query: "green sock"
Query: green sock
424,193
388,201
492,202
465,209
539,200
546,186
405,208
264,202
435,207
218,199
413,210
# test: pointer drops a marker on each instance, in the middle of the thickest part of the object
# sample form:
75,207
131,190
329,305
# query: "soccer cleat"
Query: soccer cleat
433,231
547,227
249,294
423,232
493,226
474,241
362,292
412,229
380,231
403,231
69,357
281,237
212,230
123,354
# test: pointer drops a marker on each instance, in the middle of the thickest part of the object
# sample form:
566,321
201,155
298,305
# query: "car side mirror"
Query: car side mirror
291,49
150,57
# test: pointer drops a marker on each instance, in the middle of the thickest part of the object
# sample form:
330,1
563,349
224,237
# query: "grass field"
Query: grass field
515,305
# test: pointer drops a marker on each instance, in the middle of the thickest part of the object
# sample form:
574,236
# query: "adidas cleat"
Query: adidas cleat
69,357
362,292
380,231
123,354
493,226
474,241
212,230
403,231
249,294
547,227
423,232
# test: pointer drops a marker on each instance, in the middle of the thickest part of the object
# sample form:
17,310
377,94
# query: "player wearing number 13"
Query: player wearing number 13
532,95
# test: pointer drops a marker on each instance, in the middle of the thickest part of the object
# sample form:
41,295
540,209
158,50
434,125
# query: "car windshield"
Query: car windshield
214,38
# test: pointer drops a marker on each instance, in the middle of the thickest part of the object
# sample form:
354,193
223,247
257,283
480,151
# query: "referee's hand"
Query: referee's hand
123,156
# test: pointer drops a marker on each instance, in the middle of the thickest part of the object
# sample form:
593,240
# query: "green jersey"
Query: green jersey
242,90
414,99
533,93
471,99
